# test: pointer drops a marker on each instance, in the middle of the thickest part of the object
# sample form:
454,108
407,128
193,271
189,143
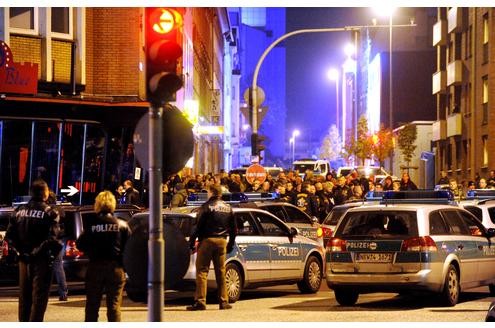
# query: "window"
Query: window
295,215
485,89
455,223
475,227
485,151
437,225
486,30
270,226
476,211
491,212
378,224
245,225
61,21
22,18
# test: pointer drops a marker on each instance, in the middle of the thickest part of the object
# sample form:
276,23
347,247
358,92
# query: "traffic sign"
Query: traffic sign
255,172
260,96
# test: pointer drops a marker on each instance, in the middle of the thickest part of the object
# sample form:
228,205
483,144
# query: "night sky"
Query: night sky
310,94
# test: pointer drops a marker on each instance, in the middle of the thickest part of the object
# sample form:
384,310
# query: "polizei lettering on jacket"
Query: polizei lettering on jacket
30,213
106,227
219,207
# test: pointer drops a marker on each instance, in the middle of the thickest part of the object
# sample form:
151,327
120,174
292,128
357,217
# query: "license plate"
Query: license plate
374,257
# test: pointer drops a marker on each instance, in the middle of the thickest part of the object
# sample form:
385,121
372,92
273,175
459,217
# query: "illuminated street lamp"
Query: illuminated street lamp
292,140
388,11
333,74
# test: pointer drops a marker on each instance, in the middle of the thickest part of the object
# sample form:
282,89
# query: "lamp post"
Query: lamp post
333,74
295,133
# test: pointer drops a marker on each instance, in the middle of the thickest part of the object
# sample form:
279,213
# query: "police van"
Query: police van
411,241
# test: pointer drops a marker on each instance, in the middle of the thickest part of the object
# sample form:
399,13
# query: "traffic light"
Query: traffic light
257,145
163,49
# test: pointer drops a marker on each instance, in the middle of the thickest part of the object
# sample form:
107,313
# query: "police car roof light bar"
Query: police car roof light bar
480,194
418,196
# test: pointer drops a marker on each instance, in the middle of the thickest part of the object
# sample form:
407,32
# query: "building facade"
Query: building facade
463,85
76,127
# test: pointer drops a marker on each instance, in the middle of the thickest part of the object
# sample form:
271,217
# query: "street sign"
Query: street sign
255,172
260,96
71,191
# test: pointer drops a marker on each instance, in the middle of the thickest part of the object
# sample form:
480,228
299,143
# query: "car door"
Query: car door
285,253
253,247
485,255
465,246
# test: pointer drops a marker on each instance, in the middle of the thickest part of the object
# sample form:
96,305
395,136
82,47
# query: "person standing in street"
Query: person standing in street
58,264
131,195
103,240
215,223
34,233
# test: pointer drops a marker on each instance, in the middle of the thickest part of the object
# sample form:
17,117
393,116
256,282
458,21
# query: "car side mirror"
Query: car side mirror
293,232
491,232
314,219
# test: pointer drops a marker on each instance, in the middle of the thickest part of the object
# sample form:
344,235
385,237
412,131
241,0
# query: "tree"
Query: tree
331,146
383,144
364,143
362,147
406,141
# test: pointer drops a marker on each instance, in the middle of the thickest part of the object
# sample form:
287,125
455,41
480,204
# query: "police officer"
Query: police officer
103,240
34,233
215,222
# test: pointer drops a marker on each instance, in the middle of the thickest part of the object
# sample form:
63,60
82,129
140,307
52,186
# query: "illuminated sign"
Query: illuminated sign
16,77
374,94
210,129
191,111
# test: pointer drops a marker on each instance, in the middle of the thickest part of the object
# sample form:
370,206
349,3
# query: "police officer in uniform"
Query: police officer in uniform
34,233
215,222
103,240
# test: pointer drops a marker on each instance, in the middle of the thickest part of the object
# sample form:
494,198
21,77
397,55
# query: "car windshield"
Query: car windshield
378,224
303,167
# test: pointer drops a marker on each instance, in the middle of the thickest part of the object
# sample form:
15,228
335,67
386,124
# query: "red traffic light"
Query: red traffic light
163,49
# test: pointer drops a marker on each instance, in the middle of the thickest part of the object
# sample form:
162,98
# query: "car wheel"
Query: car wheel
345,296
492,289
233,280
312,276
451,288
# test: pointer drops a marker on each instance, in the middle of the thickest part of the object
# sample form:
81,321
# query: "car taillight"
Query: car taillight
319,232
419,244
71,249
327,232
336,245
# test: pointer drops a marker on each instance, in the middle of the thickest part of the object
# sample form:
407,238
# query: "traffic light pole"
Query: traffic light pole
254,101
156,244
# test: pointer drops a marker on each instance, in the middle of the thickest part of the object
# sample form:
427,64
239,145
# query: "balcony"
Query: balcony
456,19
454,72
454,125
439,130
439,82
440,33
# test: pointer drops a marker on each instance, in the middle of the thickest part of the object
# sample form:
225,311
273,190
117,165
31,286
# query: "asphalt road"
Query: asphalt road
280,304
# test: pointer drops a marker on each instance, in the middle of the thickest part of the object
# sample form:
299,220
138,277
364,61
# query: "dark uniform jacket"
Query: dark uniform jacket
104,238
35,230
131,197
215,219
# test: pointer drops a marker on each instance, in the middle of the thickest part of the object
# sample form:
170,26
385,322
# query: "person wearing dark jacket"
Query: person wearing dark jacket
180,197
406,183
103,240
215,223
131,195
34,233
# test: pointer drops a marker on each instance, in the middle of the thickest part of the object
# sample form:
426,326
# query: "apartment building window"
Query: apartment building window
450,52
485,151
485,99
458,154
23,20
486,30
449,156
469,41
61,21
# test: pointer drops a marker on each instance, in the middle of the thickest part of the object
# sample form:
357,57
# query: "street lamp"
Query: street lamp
295,133
389,11
333,74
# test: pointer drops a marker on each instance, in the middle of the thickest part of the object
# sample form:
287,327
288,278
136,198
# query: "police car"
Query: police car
410,243
267,252
481,202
